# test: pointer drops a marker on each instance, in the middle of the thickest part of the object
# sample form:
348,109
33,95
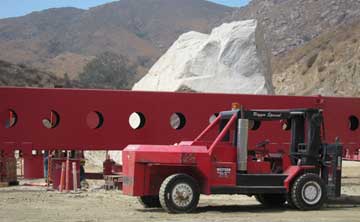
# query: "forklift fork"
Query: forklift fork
331,168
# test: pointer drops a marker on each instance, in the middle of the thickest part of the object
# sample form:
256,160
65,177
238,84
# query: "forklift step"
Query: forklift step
248,190
260,180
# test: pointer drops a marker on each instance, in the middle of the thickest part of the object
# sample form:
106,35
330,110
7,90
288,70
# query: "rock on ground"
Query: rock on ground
231,59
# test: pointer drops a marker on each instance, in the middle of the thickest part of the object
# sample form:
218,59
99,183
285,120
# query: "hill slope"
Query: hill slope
291,23
327,65
23,76
64,40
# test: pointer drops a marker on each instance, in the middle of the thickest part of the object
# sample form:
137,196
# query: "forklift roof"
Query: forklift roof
267,114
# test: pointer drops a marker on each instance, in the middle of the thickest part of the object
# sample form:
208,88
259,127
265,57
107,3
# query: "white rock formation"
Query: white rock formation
232,59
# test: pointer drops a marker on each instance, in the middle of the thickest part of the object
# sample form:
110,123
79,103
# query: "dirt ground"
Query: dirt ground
23,203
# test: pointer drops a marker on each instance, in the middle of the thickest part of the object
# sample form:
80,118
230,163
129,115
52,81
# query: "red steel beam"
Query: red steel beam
71,116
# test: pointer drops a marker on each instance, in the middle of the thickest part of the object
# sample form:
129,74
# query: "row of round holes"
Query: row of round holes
95,120
137,121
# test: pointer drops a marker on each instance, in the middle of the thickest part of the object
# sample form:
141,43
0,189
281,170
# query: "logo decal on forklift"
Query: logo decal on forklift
188,158
267,114
223,171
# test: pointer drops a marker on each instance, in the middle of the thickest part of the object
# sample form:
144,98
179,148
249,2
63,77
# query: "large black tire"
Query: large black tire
179,193
149,201
271,200
308,192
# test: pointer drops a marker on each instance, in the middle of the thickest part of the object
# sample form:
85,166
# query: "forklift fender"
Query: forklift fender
292,173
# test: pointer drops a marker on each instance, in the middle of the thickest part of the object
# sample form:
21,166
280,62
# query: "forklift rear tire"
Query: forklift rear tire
308,192
271,200
179,193
149,201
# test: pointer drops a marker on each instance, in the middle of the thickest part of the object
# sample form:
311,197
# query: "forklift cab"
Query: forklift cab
306,147
306,138
305,125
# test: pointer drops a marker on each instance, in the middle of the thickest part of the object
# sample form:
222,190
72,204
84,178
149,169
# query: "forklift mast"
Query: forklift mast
306,139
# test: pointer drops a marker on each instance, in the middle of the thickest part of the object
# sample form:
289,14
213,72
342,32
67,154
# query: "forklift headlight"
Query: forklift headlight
235,106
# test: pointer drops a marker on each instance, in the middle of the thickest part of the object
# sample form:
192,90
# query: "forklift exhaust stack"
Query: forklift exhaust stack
242,144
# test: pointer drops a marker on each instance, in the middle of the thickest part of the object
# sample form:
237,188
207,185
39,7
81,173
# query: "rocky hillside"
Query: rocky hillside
291,23
24,76
327,65
109,70
64,40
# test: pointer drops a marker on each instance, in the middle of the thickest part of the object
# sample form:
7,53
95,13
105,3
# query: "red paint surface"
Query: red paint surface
33,166
76,113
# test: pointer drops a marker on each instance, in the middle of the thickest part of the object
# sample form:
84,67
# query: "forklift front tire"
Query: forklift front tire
308,192
149,201
179,193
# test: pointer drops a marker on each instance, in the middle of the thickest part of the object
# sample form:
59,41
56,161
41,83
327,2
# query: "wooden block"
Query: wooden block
10,165
4,184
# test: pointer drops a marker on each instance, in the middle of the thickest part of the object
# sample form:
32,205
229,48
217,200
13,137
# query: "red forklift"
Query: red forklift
174,176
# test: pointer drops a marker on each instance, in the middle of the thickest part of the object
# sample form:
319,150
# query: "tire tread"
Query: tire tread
296,189
163,190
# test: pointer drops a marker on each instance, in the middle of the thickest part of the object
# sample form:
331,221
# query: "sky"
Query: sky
13,8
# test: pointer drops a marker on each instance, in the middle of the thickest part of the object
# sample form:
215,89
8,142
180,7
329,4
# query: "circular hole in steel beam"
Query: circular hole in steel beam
11,120
95,120
177,121
353,123
52,121
137,120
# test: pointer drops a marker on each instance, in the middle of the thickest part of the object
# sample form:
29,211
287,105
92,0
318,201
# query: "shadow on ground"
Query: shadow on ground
226,209
240,208
338,203
345,200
